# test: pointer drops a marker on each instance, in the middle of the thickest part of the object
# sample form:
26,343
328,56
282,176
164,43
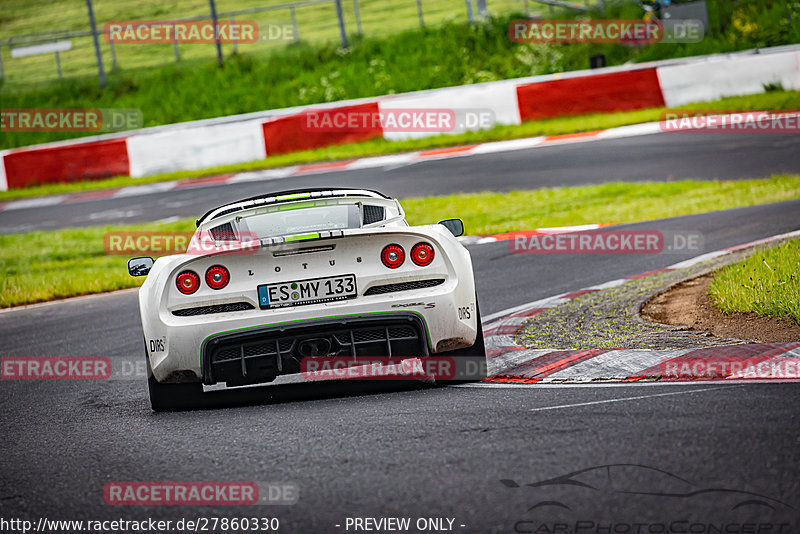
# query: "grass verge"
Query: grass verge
40,266
767,284
776,100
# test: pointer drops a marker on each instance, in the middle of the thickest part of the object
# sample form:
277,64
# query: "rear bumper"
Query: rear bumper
261,354
188,345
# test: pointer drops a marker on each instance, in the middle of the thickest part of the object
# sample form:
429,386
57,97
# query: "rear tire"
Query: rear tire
471,361
171,397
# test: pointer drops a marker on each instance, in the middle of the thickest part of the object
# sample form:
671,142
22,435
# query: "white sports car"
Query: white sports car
274,279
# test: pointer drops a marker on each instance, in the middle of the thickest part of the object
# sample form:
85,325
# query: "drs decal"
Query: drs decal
465,312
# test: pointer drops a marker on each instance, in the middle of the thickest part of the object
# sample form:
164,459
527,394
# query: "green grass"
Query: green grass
317,25
773,100
41,266
611,203
766,284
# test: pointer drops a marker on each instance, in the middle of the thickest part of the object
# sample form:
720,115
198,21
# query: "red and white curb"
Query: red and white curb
512,363
392,160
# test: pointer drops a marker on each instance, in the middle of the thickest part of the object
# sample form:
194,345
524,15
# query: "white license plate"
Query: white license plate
312,291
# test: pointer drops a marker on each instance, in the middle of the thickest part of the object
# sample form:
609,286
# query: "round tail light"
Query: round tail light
188,282
422,254
217,277
393,256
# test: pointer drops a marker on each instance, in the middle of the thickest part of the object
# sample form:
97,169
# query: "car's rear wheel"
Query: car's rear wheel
471,361
170,397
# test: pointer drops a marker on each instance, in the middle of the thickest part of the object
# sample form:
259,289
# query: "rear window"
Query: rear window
293,220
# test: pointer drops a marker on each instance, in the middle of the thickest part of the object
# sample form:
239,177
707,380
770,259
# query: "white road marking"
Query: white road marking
698,259
612,283
145,189
263,175
507,146
112,214
382,161
634,130
586,385
607,384
39,202
389,168
639,397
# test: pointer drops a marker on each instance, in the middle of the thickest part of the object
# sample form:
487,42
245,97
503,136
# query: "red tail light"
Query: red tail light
393,256
188,282
217,277
422,254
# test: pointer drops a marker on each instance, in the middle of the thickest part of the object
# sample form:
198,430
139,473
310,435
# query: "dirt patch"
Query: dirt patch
688,304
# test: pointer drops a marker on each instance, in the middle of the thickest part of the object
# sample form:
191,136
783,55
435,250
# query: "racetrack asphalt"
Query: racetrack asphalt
421,451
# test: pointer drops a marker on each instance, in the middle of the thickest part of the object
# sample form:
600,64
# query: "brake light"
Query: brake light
217,277
188,282
393,256
422,254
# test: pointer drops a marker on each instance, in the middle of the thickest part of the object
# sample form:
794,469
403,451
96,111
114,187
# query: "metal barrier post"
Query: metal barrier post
113,51
470,15
295,30
233,33
175,44
340,16
358,17
101,72
213,7
419,12
58,60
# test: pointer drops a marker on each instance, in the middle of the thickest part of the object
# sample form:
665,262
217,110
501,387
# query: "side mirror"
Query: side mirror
140,266
456,226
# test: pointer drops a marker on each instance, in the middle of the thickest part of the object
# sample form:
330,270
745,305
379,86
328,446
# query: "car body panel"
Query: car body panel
175,342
